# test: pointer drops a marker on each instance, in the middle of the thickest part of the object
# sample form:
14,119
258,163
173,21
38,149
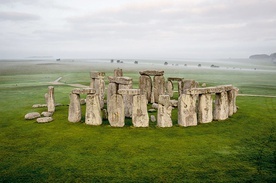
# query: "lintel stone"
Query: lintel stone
175,79
83,91
120,80
129,91
217,89
152,73
97,74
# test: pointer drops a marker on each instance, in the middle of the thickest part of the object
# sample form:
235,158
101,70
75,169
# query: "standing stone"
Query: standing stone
180,86
116,112
145,86
140,117
111,89
127,100
118,72
93,110
221,106
99,86
170,88
187,110
230,95
158,87
236,91
74,113
188,84
51,99
164,111
205,111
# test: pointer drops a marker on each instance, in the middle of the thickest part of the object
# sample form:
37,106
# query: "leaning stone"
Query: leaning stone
205,108
152,118
221,108
74,111
127,100
97,74
152,73
32,115
129,91
145,85
118,72
44,120
51,99
187,110
47,114
140,117
39,105
116,112
169,88
120,80
158,87
164,112
93,110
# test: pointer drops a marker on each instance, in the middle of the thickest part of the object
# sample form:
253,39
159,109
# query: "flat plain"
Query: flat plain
239,149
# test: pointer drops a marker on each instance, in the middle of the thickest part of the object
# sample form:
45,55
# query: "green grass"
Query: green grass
239,149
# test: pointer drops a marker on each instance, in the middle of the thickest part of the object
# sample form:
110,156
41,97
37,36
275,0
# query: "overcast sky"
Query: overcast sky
137,28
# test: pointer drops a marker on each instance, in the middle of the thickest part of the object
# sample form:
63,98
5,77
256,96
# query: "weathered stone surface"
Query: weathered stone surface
129,91
39,105
221,108
44,120
180,87
170,88
116,112
93,110
120,80
174,103
47,114
230,95
127,100
187,110
140,117
175,79
74,111
205,108
51,99
97,74
118,72
217,89
111,89
82,101
154,106
236,91
164,112
83,91
99,86
188,84
32,115
145,85
158,87
152,118
152,73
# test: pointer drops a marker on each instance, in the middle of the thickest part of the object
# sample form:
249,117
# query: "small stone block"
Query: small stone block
97,74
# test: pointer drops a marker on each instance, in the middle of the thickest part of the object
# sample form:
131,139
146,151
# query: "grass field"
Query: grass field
239,149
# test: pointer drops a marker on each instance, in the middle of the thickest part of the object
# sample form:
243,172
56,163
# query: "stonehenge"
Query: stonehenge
195,104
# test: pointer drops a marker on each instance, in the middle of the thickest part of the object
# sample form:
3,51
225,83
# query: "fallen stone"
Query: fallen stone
44,120
32,115
47,114
152,73
39,105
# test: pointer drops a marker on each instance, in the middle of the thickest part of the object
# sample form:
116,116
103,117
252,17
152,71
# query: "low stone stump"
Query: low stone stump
205,108
51,99
74,112
221,108
116,112
140,117
187,110
32,115
145,85
164,112
93,110
44,120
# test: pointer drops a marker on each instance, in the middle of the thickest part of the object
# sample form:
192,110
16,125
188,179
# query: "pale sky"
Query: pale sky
137,28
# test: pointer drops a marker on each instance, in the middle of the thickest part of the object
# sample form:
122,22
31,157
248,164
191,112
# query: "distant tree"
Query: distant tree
135,62
118,61
165,63
199,65
111,61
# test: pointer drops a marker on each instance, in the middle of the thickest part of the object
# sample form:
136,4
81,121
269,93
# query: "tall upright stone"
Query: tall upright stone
170,88
93,110
145,86
51,99
116,112
205,108
230,95
164,111
118,72
187,110
221,108
74,112
236,91
111,89
140,117
127,100
158,87
98,84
